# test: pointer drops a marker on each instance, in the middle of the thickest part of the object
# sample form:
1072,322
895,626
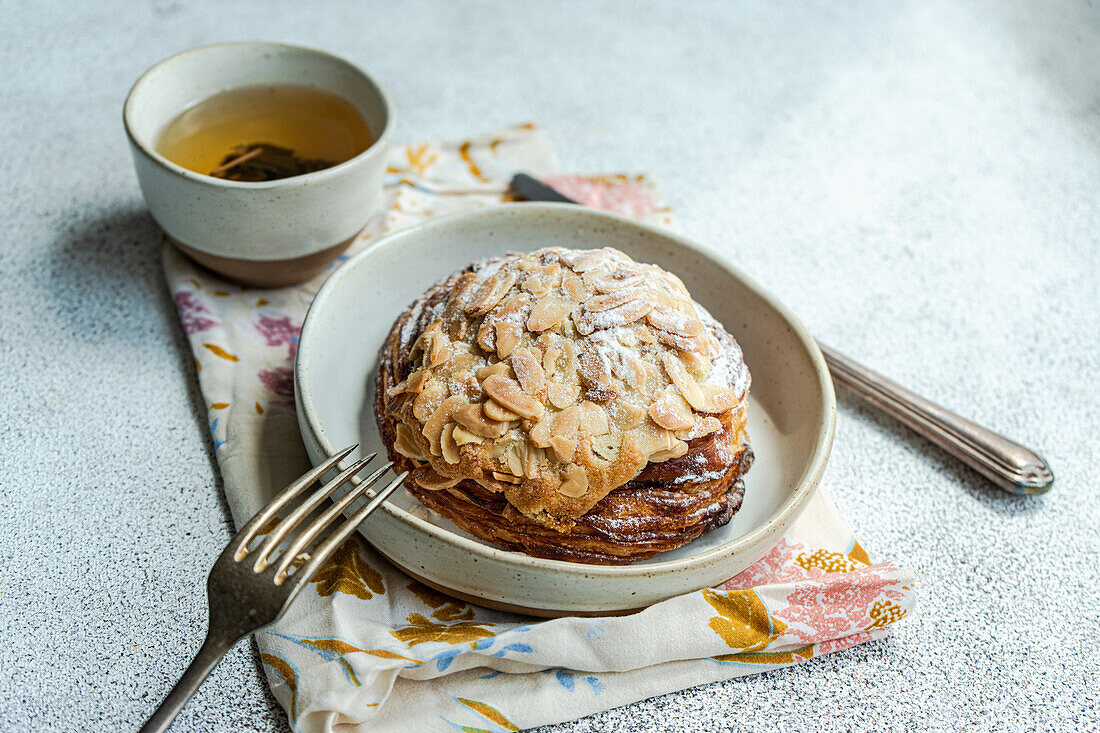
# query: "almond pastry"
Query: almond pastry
569,404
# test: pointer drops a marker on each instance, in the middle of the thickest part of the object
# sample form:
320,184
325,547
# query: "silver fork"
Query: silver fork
246,596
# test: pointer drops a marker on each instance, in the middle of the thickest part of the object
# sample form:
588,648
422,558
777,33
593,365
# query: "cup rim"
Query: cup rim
380,142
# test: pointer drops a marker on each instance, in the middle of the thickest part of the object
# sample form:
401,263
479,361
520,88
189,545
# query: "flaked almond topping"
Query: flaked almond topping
646,336
405,443
629,312
574,483
593,419
487,336
711,348
563,448
550,272
701,396
610,281
461,291
678,449
506,477
495,411
491,292
528,371
589,260
433,426
499,367
562,395
628,337
628,415
678,373
550,359
567,422
593,368
447,444
675,322
540,431
507,392
428,401
462,362
573,286
672,411
476,421
439,349
675,341
651,441
600,303
697,364
507,338
632,371
715,398
606,446
513,457
462,436
427,478
532,457
548,313
569,352
703,426
534,285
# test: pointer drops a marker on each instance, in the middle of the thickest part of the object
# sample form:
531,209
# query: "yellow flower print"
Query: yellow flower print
420,158
830,562
421,630
290,679
219,351
858,554
795,655
743,621
885,612
447,608
464,153
348,573
489,712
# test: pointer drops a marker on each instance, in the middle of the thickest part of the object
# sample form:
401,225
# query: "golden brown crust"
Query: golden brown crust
573,405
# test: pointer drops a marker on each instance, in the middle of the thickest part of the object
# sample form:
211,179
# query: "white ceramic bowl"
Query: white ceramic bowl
270,232
792,408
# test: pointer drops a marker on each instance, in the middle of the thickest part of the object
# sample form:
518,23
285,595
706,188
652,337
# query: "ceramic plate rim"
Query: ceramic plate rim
791,506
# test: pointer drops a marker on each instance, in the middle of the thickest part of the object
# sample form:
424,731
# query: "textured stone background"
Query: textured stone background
918,180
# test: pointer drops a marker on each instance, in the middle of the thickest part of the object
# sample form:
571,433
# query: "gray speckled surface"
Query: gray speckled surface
918,180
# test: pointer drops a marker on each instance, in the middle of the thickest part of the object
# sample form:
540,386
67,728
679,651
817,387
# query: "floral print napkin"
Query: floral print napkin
367,648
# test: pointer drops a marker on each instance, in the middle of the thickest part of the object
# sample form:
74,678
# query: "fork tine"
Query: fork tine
326,548
252,526
323,521
303,510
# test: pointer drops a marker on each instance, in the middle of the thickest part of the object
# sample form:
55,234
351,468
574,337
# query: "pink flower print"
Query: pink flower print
835,645
193,313
821,609
279,380
280,332
620,194
778,566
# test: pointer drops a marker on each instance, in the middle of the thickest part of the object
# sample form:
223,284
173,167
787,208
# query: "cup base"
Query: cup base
266,273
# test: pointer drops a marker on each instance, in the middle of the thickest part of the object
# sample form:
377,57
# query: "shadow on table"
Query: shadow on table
117,257
973,482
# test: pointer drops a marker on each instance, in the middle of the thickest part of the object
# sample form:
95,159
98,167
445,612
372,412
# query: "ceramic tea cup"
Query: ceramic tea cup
268,233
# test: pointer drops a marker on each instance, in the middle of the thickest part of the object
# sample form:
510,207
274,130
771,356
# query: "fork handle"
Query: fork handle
208,656
1011,466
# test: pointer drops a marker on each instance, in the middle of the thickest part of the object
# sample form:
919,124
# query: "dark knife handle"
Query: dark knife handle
533,189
